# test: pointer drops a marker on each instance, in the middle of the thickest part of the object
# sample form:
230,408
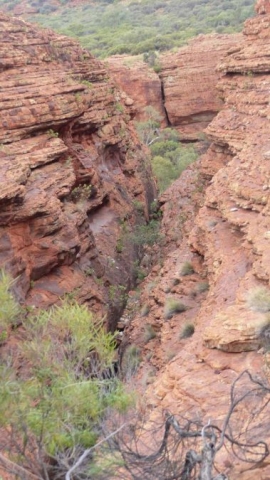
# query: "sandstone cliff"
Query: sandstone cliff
224,234
71,167
189,79
184,89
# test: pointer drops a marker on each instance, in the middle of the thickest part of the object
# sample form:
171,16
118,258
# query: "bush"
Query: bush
186,269
173,306
149,332
187,331
9,309
62,392
259,299
202,287
146,234
145,310
131,361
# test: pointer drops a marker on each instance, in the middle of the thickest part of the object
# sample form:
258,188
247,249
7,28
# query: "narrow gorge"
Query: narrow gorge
77,182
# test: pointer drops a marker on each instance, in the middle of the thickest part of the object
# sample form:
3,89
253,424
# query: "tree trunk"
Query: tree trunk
208,454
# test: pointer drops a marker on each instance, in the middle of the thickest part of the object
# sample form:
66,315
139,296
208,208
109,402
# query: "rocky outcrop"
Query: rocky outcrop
262,6
71,167
226,242
184,89
189,79
140,84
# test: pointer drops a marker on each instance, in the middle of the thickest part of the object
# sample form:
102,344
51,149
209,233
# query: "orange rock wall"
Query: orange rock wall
216,216
189,79
184,91
71,167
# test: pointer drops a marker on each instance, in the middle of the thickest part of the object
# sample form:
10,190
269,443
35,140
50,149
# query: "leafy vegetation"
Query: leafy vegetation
259,299
53,405
169,156
173,306
110,27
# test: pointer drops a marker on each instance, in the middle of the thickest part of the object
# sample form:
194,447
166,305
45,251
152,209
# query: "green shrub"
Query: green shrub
259,299
144,310
146,234
131,361
187,331
173,306
202,287
186,269
9,308
59,397
149,332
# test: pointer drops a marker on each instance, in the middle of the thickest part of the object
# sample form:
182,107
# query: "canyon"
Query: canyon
73,173
216,218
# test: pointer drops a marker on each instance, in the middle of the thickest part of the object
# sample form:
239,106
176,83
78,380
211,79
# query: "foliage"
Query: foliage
9,309
149,332
187,331
148,130
173,306
82,192
169,156
131,361
202,287
137,27
52,133
54,408
259,299
146,234
186,269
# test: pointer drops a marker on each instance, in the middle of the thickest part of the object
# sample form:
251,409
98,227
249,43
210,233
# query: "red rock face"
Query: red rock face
189,80
70,169
184,91
263,6
142,86
225,235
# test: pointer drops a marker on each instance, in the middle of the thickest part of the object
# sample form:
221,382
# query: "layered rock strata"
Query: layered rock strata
140,84
184,89
227,245
189,79
71,167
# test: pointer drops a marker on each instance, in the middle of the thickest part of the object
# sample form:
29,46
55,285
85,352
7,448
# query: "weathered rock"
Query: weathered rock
70,167
227,243
234,330
140,83
189,82
262,7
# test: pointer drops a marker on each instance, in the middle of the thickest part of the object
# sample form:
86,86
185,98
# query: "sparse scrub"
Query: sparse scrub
9,309
186,269
131,361
170,353
149,332
187,331
202,287
258,299
54,404
52,133
82,192
145,310
173,306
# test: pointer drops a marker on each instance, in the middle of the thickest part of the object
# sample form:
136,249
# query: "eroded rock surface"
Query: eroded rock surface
71,166
189,80
225,237
184,89
140,83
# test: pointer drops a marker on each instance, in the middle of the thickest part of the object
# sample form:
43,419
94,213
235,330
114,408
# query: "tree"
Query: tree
185,448
56,387
149,129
